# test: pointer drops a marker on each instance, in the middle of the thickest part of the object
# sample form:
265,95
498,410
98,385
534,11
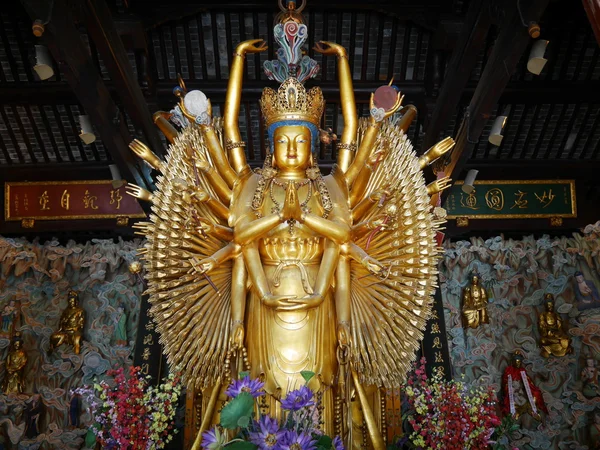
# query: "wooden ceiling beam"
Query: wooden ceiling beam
464,57
103,31
592,9
506,53
522,92
67,47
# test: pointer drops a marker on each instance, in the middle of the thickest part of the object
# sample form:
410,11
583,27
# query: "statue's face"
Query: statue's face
17,345
590,362
475,279
517,362
73,301
291,147
550,306
580,278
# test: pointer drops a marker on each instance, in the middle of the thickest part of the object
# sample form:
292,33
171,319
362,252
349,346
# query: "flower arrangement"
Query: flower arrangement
449,415
130,414
297,429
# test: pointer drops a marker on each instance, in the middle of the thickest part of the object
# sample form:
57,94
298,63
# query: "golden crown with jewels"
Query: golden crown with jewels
292,102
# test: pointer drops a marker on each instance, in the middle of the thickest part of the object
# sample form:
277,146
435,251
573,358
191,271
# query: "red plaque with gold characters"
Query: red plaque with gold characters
70,200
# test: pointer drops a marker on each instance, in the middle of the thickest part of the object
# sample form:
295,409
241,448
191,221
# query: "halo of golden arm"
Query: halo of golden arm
187,306
389,310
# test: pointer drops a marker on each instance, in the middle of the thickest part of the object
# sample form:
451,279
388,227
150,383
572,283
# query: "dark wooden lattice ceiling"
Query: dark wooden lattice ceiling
553,117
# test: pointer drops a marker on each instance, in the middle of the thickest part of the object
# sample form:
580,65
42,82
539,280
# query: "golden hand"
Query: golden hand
198,194
389,112
138,192
343,334
142,151
291,208
251,46
377,156
373,266
439,185
382,224
329,48
380,196
306,302
237,335
202,266
278,301
439,149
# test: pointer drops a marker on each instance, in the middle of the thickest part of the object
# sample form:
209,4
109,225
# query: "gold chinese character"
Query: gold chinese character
148,339
439,371
145,368
89,200
149,326
494,198
470,201
64,200
45,201
438,357
546,198
437,343
435,328
115,198
434,314
146,354
520,201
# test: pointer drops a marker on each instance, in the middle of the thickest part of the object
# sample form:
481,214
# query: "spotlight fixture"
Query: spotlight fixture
87,132
496,132
467,186
43,63
117,179
536,61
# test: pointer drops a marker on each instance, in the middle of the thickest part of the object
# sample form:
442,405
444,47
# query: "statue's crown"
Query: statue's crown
291,68
292,102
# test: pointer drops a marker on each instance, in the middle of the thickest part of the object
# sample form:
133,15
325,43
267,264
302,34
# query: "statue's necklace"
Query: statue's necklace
277,207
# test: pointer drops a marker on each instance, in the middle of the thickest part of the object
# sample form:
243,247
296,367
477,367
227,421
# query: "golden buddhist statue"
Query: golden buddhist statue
14,368
283,270
553,339
475,302
70,328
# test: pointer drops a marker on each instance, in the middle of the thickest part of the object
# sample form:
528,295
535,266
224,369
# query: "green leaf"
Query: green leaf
244,374
243,421
325,442
307,375
240,406
241,445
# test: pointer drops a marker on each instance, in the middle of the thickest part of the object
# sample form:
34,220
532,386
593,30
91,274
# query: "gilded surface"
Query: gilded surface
71,324
284,269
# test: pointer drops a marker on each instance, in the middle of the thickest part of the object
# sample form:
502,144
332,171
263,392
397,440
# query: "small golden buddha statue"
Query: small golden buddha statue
475,304
71,324
553,340
16,360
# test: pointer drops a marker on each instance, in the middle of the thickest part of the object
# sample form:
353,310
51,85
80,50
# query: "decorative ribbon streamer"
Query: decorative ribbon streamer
303,275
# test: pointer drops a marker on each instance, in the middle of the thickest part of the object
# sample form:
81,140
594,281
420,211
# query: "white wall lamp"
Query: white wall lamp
43,62
467,186
536,61
87,132
496,132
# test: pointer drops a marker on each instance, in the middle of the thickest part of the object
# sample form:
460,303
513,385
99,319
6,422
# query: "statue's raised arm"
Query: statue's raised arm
233,138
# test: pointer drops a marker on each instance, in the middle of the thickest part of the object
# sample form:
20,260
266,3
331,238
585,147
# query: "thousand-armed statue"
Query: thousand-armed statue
283,270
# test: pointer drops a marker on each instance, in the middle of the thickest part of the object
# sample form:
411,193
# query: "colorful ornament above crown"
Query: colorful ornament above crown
291,33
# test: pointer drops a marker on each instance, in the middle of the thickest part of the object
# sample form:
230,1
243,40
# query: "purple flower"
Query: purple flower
253,387
295,441
298,399
213,439
337,443
269,435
